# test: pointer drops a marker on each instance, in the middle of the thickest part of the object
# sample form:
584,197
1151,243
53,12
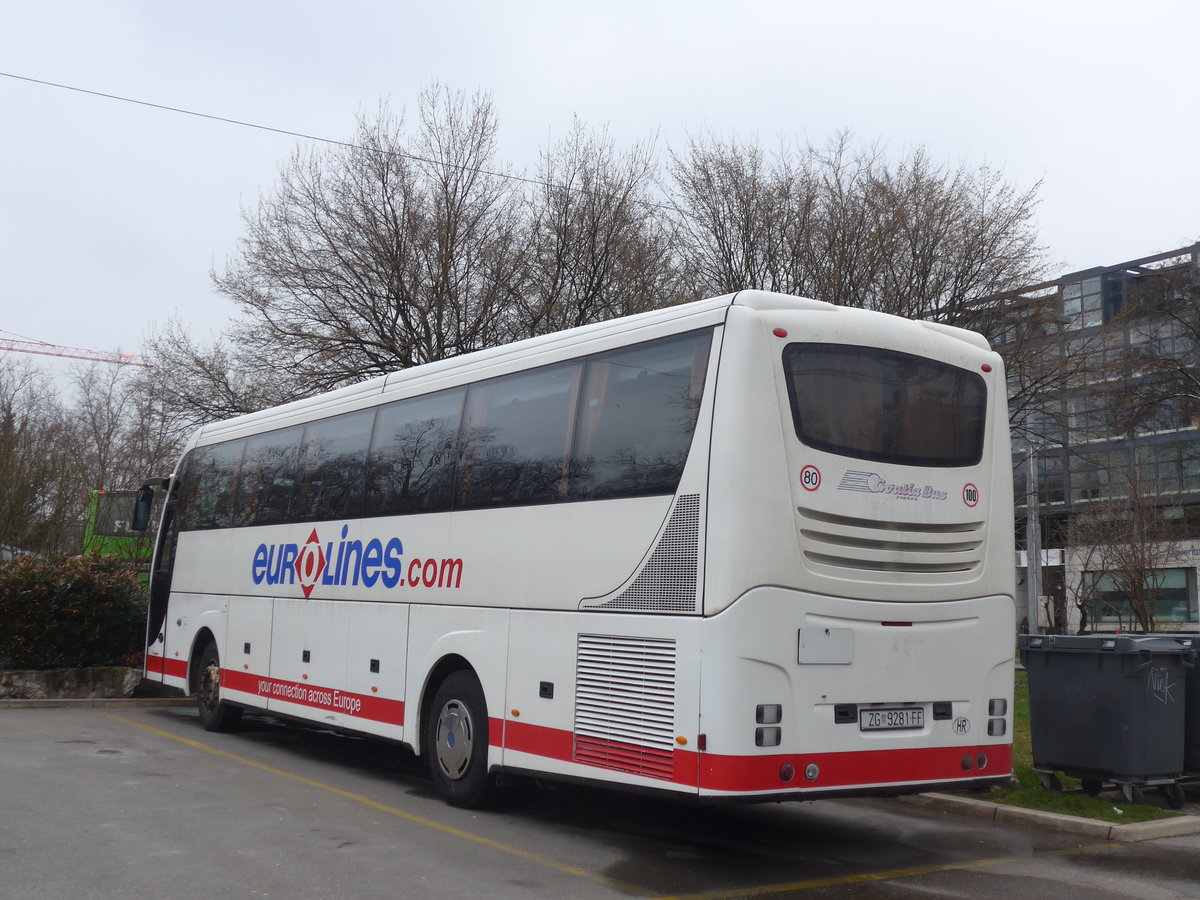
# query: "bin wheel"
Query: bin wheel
1175,795
1050,782
1134,794
1091,787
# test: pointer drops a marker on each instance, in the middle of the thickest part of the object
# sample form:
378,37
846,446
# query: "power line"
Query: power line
273,130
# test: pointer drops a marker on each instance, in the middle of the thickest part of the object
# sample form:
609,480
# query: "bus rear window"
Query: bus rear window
881,405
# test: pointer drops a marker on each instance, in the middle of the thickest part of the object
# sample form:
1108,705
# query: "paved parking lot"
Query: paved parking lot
112,803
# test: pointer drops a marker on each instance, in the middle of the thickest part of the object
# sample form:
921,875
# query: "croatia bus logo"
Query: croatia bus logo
310,563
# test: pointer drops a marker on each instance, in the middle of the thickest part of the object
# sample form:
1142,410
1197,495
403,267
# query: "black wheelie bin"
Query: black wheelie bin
1109,708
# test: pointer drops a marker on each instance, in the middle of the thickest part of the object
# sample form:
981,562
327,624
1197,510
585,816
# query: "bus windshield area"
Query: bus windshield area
886,406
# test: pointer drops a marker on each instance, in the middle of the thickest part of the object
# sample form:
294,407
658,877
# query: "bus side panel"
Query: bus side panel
566,552
340,664
245,649
475,637
750,536
308,659
377,644
188,615
604,697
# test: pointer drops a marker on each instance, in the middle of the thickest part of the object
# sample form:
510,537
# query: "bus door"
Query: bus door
158,663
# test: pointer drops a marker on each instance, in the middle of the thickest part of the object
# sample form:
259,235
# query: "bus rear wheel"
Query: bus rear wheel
215,714
456,741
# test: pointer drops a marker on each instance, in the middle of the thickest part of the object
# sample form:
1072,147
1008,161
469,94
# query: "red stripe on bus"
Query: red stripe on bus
552,743
161,665
356,706
709,771
848,769
745,774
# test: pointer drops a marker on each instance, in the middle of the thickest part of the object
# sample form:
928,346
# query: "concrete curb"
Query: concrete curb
1176,826
100,702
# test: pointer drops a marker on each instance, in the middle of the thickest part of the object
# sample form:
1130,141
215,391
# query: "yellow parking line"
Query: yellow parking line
390,810
867,877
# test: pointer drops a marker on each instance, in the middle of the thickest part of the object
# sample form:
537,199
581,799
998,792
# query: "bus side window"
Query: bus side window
517,431
637,416
410,468
267,483
333,463
207,491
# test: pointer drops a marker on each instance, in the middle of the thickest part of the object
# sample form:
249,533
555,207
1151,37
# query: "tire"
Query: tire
456,741
215,714
1092,787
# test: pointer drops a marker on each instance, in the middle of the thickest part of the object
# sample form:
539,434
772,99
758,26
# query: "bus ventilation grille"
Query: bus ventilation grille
896,549
667,583
625,704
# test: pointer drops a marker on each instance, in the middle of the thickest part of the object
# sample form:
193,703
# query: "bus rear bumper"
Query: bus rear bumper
854,773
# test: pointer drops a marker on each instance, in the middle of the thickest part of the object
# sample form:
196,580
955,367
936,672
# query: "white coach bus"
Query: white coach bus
753,547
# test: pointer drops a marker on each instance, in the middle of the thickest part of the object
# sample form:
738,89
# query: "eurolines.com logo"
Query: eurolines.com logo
352,563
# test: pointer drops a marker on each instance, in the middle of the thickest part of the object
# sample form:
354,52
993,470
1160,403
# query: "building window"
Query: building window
1171,592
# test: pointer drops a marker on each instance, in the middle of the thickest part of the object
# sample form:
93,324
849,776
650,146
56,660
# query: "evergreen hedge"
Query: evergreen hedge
70,613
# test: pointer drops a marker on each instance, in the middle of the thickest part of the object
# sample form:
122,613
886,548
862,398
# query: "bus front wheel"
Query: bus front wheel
456,741
215,713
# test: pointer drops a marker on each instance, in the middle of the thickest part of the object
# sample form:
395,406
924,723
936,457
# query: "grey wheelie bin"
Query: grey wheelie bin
1191,716
1109,708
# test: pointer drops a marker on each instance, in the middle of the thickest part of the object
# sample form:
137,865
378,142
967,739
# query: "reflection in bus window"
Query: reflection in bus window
515,437
267,483
333,462
636,418
616,424
411,465
209,479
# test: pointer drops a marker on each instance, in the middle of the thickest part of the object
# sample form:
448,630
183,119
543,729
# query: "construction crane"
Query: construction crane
41,348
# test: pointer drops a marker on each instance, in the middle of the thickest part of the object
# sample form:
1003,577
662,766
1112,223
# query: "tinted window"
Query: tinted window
333,466
411,466
516,436
208,483
885,406
636,418
114,511
267,482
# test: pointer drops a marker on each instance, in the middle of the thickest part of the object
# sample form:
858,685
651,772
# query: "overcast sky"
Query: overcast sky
112,215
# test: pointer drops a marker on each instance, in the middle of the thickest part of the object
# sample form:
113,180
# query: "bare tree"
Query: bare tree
193,383
598,239
728,222
101,416
39,505
844,224
390,251
381,254
104,434
1121,546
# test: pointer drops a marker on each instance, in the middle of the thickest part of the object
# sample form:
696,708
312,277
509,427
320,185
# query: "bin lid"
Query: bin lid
1110,643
